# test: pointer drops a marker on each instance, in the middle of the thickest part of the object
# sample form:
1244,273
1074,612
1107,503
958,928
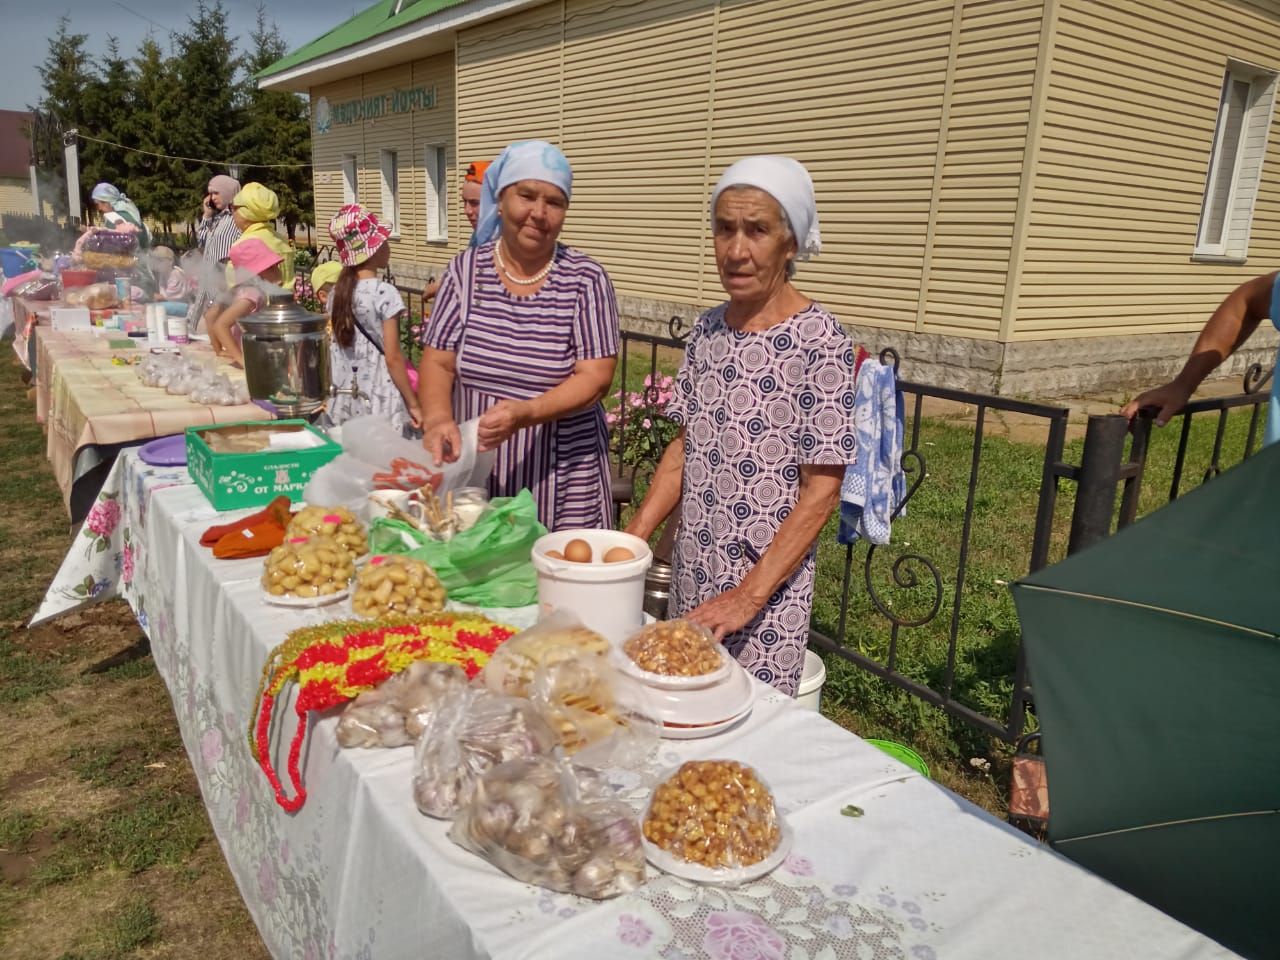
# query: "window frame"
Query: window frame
1260,100
436,168
350,179
389,160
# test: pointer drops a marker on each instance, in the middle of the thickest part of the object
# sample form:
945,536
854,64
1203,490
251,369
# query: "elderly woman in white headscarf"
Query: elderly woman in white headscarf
764,398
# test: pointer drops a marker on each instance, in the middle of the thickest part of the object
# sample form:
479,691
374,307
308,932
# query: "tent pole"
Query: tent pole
1097,479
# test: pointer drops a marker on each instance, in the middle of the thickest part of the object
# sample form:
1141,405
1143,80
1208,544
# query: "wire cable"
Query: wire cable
212,163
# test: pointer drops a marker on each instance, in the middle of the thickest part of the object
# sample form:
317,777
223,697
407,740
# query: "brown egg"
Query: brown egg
554,555
618,555
577,551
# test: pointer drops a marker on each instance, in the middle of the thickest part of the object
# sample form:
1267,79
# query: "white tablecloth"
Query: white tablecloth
359,873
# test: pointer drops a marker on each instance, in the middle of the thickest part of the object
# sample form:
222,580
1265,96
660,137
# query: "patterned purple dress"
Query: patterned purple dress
755,407
516,348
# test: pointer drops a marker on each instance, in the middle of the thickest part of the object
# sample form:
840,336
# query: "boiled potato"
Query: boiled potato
397,585
307,567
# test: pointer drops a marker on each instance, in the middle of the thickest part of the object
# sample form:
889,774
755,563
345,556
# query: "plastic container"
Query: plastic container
176,328
78,278
903,754
14,261
809,693
607,597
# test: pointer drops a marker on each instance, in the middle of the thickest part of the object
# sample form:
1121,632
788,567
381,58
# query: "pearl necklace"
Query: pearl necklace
521,281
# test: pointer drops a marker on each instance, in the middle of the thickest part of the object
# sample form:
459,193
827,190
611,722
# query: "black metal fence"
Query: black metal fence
897,605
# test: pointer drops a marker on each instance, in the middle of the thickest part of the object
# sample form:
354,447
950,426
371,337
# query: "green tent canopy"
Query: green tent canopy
1154,659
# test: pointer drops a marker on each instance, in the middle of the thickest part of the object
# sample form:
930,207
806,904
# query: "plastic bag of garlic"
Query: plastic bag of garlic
527,818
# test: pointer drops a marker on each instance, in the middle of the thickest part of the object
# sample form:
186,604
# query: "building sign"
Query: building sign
360,109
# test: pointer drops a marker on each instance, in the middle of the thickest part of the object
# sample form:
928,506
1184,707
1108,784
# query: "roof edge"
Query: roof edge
469,13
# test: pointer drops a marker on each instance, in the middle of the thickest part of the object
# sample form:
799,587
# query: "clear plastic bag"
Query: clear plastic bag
561,636
377,457
395,713
603,718
717,814
96,296
528,819
307,568
470,731
397,585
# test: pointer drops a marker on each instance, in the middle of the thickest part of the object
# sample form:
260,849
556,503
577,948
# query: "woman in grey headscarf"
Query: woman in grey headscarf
765,402
119,212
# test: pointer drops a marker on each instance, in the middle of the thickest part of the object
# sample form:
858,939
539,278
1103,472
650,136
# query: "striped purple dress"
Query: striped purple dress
516,348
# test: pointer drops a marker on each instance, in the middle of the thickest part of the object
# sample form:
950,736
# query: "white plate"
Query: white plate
718,703
727,875
702,730
661,681
305,601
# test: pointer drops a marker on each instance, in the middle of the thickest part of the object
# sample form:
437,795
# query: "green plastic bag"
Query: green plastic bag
488,565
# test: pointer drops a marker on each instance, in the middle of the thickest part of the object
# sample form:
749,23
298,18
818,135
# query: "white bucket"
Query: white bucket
809,693
607,597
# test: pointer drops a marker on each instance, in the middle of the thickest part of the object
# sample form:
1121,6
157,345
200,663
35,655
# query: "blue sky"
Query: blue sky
28,26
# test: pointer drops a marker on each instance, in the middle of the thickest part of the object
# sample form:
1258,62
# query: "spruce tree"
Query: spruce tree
64,76
159,186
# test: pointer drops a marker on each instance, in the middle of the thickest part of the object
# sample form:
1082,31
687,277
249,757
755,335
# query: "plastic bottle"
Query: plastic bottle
177,329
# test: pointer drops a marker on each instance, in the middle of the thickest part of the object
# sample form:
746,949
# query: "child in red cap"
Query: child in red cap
369,371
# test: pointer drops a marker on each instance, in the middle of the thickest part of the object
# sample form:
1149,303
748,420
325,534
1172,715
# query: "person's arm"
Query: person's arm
436,372
1229,327
736,607
587,385
395,366
664,491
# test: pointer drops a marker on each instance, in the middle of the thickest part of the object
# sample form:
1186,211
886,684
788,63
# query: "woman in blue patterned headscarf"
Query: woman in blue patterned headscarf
1230,326
119,212
764,399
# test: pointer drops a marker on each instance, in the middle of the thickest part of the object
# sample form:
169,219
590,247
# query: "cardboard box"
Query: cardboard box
69,318
232,480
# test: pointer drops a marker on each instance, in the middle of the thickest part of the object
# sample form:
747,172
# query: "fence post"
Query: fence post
1097,480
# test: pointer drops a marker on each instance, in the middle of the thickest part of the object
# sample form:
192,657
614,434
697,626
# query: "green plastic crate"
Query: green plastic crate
235,480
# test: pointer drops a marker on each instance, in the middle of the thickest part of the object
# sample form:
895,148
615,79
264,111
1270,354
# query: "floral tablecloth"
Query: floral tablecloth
88,403
359,873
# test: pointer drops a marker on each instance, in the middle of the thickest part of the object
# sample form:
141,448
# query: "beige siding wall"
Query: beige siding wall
1127,133
980,177
15,197
408,134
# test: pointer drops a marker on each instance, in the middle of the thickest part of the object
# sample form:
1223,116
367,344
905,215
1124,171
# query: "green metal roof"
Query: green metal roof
376,20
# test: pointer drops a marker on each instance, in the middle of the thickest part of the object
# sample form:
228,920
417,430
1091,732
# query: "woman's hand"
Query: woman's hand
500,421
431,289
442,440
1166,401
730,611
415,415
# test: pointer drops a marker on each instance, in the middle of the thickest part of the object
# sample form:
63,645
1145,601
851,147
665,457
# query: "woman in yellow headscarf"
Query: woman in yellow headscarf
256,209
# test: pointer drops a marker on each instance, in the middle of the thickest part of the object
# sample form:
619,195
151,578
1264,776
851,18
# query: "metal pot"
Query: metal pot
657,589
286,356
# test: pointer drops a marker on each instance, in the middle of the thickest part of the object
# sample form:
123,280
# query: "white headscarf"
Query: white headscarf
788,182
523,160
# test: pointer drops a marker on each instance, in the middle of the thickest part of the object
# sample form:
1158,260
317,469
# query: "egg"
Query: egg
554,555
618,555
577,551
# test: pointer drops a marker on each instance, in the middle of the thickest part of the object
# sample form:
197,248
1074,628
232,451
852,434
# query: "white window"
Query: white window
350,185
437,195
1235,165
391,191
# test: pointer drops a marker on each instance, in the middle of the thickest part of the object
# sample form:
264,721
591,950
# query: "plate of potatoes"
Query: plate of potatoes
397,585
307,572
674,655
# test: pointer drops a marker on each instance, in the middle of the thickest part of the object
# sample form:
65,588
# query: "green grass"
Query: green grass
132,925
157,828
16,830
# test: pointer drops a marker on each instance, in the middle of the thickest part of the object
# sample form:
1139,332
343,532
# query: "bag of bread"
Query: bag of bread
561,636
603,718
528,818
471,730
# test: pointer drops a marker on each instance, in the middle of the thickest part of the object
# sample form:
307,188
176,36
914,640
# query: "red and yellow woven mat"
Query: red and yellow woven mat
335,662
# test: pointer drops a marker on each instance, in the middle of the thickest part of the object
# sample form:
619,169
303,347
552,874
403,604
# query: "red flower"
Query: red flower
367,673
322,653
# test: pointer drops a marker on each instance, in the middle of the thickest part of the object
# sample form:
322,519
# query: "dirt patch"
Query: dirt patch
17,865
